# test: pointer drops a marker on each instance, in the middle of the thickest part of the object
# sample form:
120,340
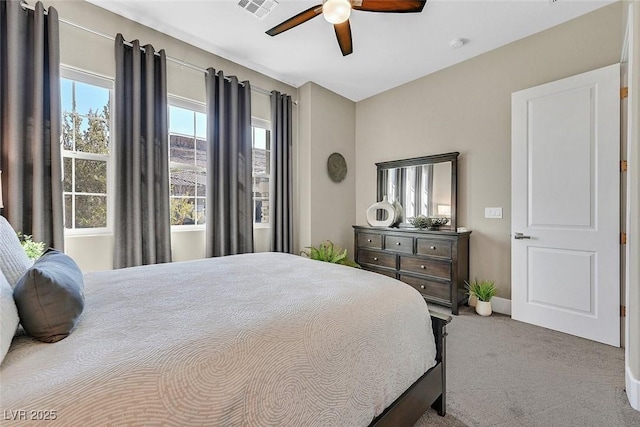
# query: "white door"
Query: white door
565,195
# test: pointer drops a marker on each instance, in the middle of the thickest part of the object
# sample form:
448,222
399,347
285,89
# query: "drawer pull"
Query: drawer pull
421,286
433,248
398,243
375,258
369,240
422,267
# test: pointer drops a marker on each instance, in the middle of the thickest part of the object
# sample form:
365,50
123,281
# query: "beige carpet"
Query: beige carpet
510,374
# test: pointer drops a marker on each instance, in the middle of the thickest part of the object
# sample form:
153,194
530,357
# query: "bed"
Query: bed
256,339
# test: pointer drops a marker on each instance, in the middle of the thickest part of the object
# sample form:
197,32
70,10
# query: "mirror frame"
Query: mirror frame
420,161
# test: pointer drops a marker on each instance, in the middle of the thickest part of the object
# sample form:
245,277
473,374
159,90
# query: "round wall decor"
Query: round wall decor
336,167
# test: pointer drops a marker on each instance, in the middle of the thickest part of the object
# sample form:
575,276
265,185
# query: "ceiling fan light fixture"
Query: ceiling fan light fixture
336,11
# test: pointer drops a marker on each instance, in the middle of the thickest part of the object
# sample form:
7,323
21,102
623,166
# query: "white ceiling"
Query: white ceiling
388,49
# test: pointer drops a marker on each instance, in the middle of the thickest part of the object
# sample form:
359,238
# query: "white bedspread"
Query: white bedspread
247,340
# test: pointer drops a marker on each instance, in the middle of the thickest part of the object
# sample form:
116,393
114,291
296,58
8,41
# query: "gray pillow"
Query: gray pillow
50,297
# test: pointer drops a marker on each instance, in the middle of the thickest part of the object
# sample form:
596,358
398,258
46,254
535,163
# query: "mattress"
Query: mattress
245,340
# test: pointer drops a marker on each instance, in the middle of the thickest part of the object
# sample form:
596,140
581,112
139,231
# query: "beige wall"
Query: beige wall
89,52
467,108
327,209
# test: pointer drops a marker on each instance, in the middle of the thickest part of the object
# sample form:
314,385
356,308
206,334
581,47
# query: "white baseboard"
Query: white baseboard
633,389
501,305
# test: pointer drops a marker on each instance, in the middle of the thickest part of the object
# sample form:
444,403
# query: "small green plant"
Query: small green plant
484,290
421,222
33,249
328,252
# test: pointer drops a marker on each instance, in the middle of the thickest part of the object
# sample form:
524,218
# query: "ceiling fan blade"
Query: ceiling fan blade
390,6
343,33
300,18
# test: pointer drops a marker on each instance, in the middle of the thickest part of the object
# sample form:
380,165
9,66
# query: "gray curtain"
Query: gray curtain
229,169
281,188
30,152
141,157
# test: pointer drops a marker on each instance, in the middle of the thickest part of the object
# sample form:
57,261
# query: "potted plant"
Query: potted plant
33,249
473,299
483,290
327,252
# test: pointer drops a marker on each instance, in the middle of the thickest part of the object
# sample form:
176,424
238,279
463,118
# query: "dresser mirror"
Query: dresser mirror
423,186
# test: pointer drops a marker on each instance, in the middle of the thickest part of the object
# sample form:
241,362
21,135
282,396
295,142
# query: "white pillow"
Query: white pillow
8,316
14,261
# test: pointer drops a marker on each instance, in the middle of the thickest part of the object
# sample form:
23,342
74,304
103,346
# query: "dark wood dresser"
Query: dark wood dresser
436,263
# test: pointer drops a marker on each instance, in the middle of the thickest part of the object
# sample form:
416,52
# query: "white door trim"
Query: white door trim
631,54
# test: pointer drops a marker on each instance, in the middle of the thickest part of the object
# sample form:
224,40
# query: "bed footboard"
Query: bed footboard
439,324
428,390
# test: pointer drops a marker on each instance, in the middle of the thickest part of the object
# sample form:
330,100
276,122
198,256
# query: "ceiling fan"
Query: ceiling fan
337,12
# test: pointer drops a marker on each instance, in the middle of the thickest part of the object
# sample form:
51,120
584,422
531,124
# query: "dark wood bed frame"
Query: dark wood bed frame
428,390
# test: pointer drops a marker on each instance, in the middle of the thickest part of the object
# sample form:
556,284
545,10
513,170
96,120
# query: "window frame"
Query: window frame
198,107
262,124
87,77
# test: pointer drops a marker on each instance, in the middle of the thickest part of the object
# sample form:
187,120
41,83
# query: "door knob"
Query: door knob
520,236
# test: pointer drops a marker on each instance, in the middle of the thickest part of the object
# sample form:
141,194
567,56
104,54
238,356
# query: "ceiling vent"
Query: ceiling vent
258,8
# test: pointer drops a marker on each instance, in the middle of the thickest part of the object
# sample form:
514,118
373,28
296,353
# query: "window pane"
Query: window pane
182,210
201,204
182,149
260,161
67,131
201,125
201,184
68,173
68,211
91,176
91,211
181,121
183,182
95,135
66,93
201,153
260,138
90,98
261,211
261,187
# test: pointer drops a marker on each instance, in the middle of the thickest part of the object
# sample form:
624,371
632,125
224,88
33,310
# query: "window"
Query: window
187,162
86,113
261,143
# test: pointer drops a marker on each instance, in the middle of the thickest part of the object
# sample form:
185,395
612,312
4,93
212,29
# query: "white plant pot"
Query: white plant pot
483,308
472,300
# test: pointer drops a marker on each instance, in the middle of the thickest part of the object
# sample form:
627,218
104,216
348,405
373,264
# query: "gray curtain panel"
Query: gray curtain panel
281,188
141,157
229,212
30,152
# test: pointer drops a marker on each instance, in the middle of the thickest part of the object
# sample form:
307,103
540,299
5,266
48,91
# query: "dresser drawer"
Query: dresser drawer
370,240
432,267
399,244
434,247
429,288
376,258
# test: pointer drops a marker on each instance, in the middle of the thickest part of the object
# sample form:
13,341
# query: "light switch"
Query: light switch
494,213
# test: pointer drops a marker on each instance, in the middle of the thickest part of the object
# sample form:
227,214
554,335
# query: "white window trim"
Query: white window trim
88,77
264,124
199,107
